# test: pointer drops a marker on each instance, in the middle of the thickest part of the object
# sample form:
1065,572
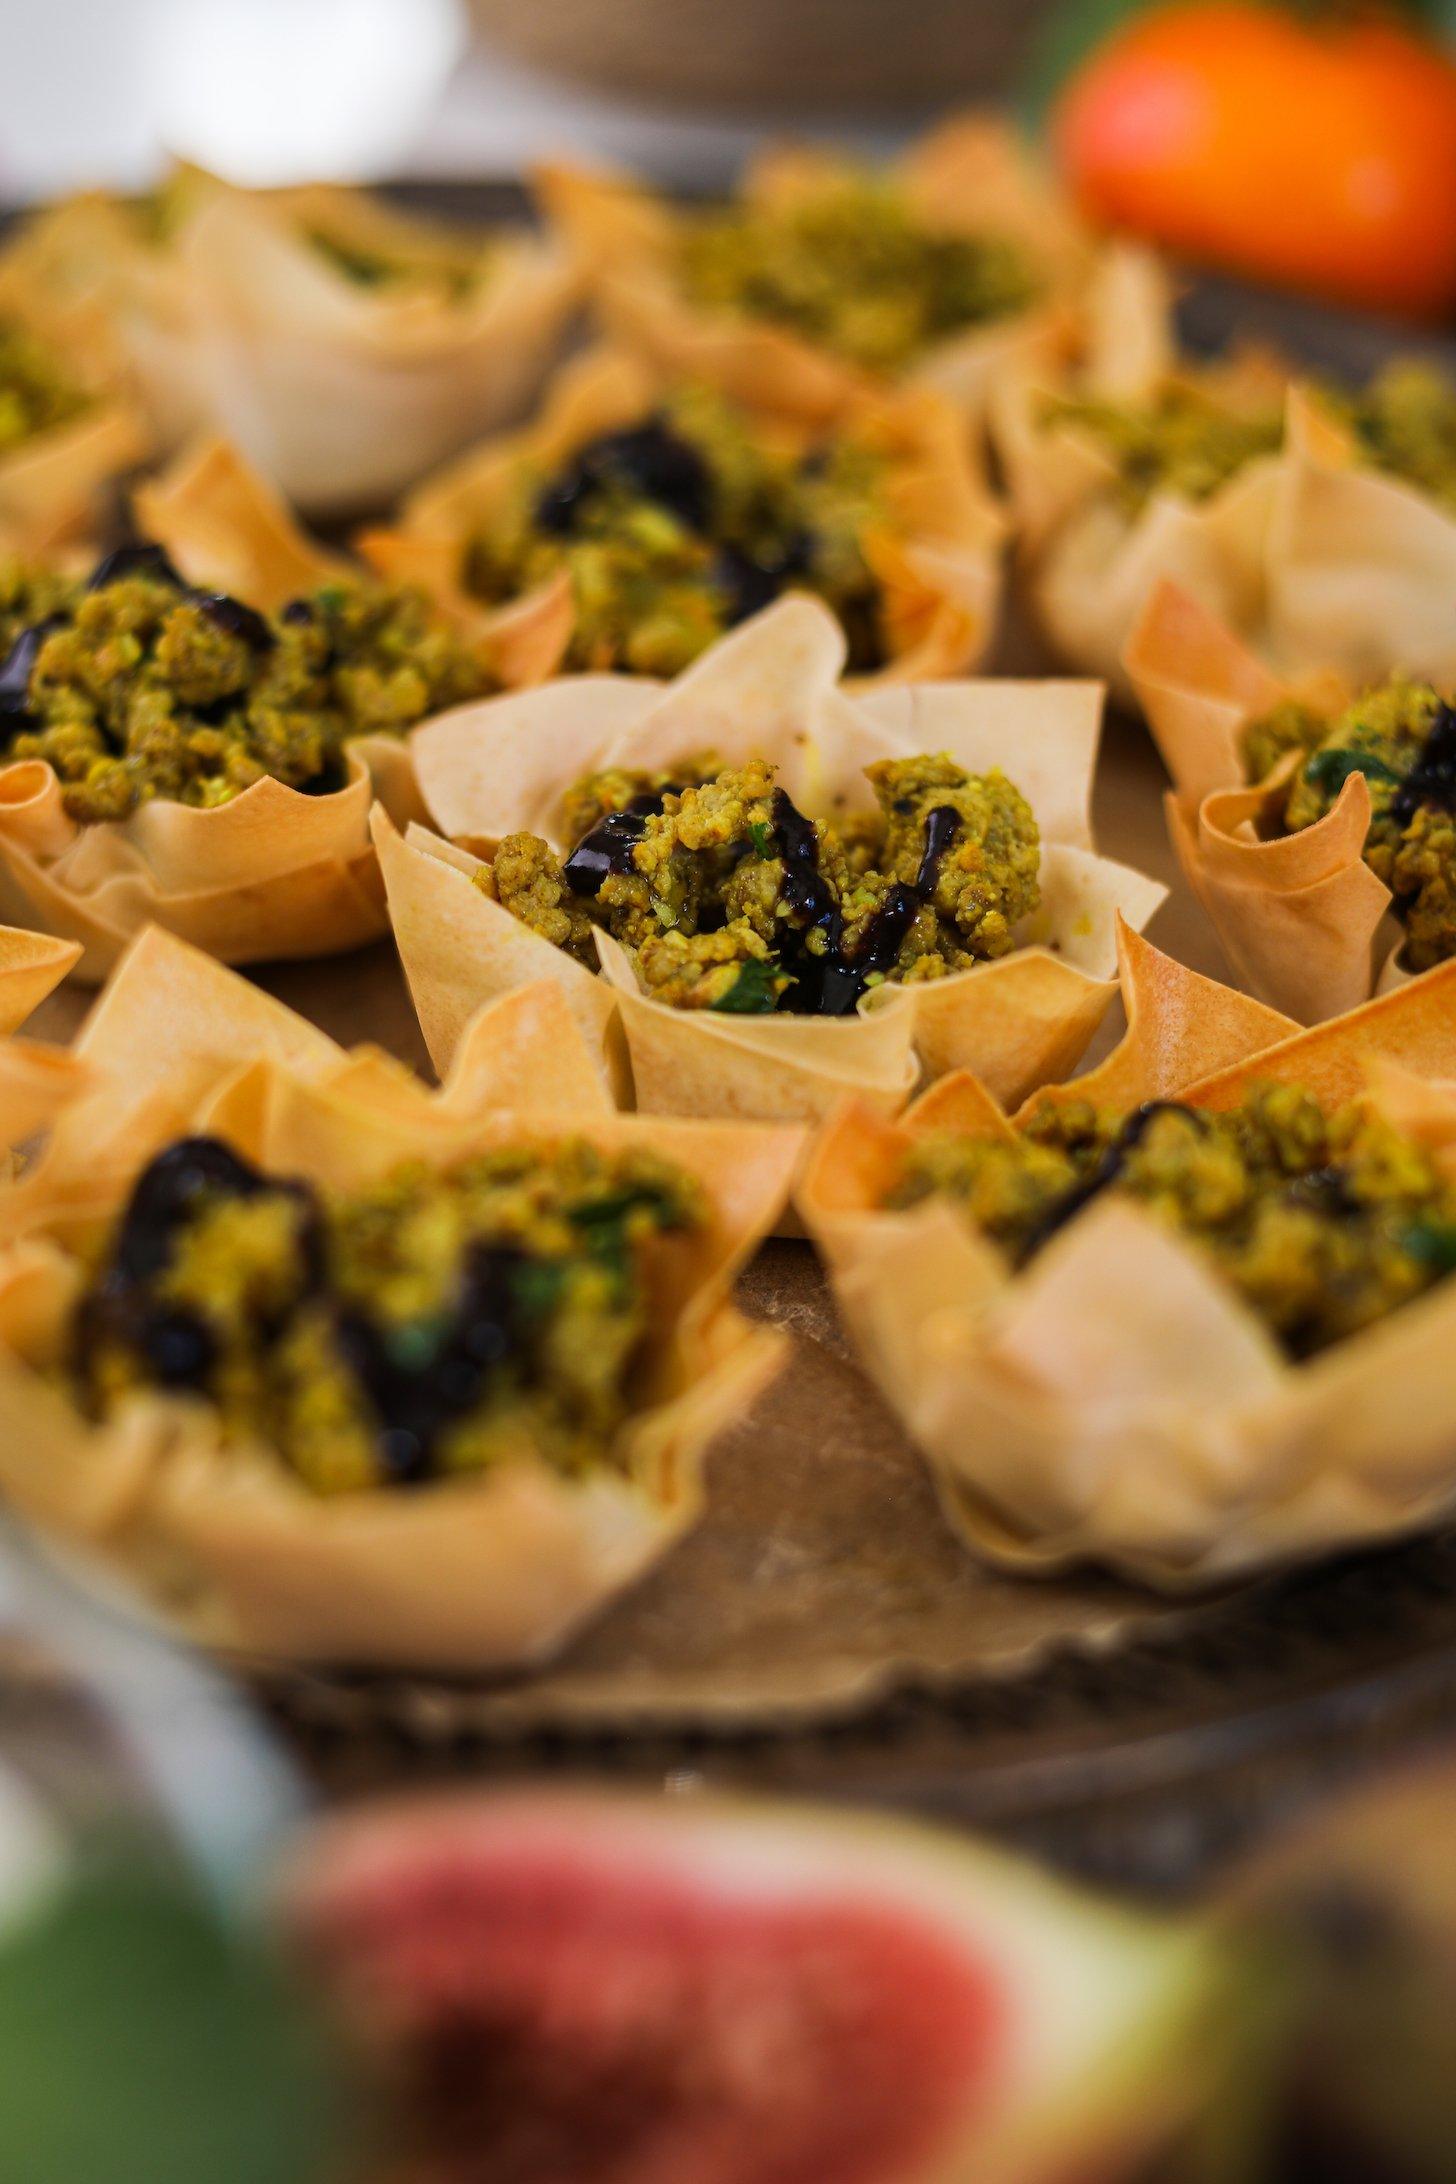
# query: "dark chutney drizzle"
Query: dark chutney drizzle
659,464
831,983
1432,779
607,847
1134,1129
417,1380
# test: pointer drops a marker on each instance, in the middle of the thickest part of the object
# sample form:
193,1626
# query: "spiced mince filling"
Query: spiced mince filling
136,685
676,528
1322,1221
1402,738
852,267
1192,436
431,1325
726,896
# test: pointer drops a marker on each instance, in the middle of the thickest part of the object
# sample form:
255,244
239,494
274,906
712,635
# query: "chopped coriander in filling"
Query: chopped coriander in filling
1185,440
1321,1221
430,1325
137,685
676,528
36,391
852,267
1402,738
727,897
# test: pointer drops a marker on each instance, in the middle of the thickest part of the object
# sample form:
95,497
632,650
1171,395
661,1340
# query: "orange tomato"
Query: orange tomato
1319,156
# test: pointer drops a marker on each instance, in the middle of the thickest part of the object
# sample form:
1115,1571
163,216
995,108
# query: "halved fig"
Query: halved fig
591,1989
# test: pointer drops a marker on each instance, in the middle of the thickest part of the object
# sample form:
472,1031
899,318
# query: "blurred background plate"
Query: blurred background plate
830,56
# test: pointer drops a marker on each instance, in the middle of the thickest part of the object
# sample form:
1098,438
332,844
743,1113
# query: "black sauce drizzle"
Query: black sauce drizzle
417,1380
607,847
662,466
1432,779
418,1389
649,459
831,983
1107,1170
177,1342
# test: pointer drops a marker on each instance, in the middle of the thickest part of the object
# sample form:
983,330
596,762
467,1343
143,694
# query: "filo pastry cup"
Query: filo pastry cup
768,690
54,483
245,318
1089,562
936,556
971,175
273,874
1318,559
1115,1402
491,1572
227,529
276,872
1303,920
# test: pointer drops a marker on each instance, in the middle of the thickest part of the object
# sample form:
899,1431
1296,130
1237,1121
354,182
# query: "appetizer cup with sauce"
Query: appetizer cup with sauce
345,345
343,1369
171,751
1154,1320
758,892
821,281
640,516
1318,522
1312,819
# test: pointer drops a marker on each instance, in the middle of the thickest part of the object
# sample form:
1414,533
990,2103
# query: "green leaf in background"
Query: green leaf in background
144,2042
1067,34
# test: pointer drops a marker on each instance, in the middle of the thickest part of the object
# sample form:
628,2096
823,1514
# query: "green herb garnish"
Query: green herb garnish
754,992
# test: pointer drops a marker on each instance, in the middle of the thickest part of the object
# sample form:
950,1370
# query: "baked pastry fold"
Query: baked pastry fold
486,1570
770,690
970,176
935,555
1305,923
1319,560
1116,1401
344,345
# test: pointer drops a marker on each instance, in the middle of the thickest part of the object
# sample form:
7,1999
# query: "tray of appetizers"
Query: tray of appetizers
682,1152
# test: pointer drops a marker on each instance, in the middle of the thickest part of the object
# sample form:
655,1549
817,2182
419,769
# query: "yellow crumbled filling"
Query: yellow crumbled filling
674,529
1187,440
1323,1222
434,1324
728,898
143,687
36,391
851,266
1402,738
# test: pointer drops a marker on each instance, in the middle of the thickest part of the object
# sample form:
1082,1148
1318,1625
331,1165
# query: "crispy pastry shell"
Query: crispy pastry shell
937,558
341,391
1303,920
769,690
491,1572
53,485
1115,1402
1322,563
971,173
